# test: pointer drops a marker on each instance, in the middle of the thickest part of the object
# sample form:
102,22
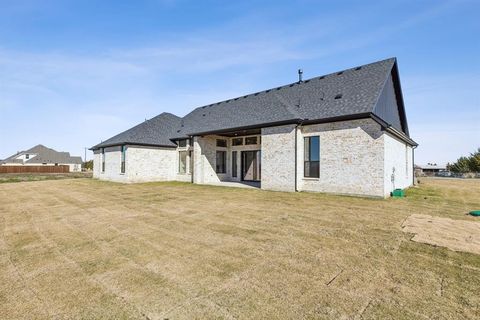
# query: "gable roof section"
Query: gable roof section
154,132
44,155
352,93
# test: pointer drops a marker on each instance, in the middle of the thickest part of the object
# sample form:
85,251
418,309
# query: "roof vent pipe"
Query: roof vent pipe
300,73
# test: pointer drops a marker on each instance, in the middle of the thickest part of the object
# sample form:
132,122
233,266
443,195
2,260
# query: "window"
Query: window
103,159
234,164
221,143
312,157
122,166
182,143
237,141
27,156
221,160
190,169
251,140
182,162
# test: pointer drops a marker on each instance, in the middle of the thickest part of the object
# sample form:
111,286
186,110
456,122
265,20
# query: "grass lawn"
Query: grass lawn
87,249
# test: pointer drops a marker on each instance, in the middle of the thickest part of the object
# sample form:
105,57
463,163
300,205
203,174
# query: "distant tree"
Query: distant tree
475,161
88,165
466,164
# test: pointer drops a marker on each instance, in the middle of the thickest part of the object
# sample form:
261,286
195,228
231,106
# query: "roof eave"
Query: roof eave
100,146
256,126
390,129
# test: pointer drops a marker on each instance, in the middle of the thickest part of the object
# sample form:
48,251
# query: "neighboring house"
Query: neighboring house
41,155
430,169
344,133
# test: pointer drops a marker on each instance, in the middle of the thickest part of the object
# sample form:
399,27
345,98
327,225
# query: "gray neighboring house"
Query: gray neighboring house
41,155
343,133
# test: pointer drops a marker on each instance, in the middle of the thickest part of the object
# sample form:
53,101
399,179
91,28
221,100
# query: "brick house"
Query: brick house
344,133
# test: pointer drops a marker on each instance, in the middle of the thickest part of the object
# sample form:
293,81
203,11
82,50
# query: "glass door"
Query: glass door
251,165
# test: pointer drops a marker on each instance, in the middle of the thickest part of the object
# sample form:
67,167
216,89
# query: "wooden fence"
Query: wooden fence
34,169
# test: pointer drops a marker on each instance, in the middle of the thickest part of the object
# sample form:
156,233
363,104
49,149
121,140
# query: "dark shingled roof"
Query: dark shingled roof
155,132
44,155
347,93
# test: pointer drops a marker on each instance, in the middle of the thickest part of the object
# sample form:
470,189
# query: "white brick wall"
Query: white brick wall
351,158
278,158
142,164
356,157
398,164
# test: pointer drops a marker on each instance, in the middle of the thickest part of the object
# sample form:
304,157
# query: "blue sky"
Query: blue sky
73,73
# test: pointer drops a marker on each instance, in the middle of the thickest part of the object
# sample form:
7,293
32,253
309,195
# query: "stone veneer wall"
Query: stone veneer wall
351,158
278,158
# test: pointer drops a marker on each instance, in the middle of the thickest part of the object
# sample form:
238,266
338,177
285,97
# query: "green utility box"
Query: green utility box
475,213
398,193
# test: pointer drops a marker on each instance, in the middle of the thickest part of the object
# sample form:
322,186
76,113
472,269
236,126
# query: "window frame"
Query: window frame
123,156
103,160
221,143
190,162
252,137
223,168
234,164
180,153
307,158
182,143
238,140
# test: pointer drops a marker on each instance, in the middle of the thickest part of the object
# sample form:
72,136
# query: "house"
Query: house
41,155
343,133
430,169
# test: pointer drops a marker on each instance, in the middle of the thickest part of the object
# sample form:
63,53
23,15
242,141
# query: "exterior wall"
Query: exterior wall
278,158
204,159
142,164
356,158
398,164
351,158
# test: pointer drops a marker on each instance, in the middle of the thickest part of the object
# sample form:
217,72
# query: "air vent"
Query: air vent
358,68
338,96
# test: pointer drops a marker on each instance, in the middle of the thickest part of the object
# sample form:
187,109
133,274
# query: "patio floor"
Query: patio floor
238,184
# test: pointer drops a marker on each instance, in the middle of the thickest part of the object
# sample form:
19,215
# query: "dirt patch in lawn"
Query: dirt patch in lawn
457,235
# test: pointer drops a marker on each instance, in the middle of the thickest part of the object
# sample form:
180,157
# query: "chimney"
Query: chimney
300,73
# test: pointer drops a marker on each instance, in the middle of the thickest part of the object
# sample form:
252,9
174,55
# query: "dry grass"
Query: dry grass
88,249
